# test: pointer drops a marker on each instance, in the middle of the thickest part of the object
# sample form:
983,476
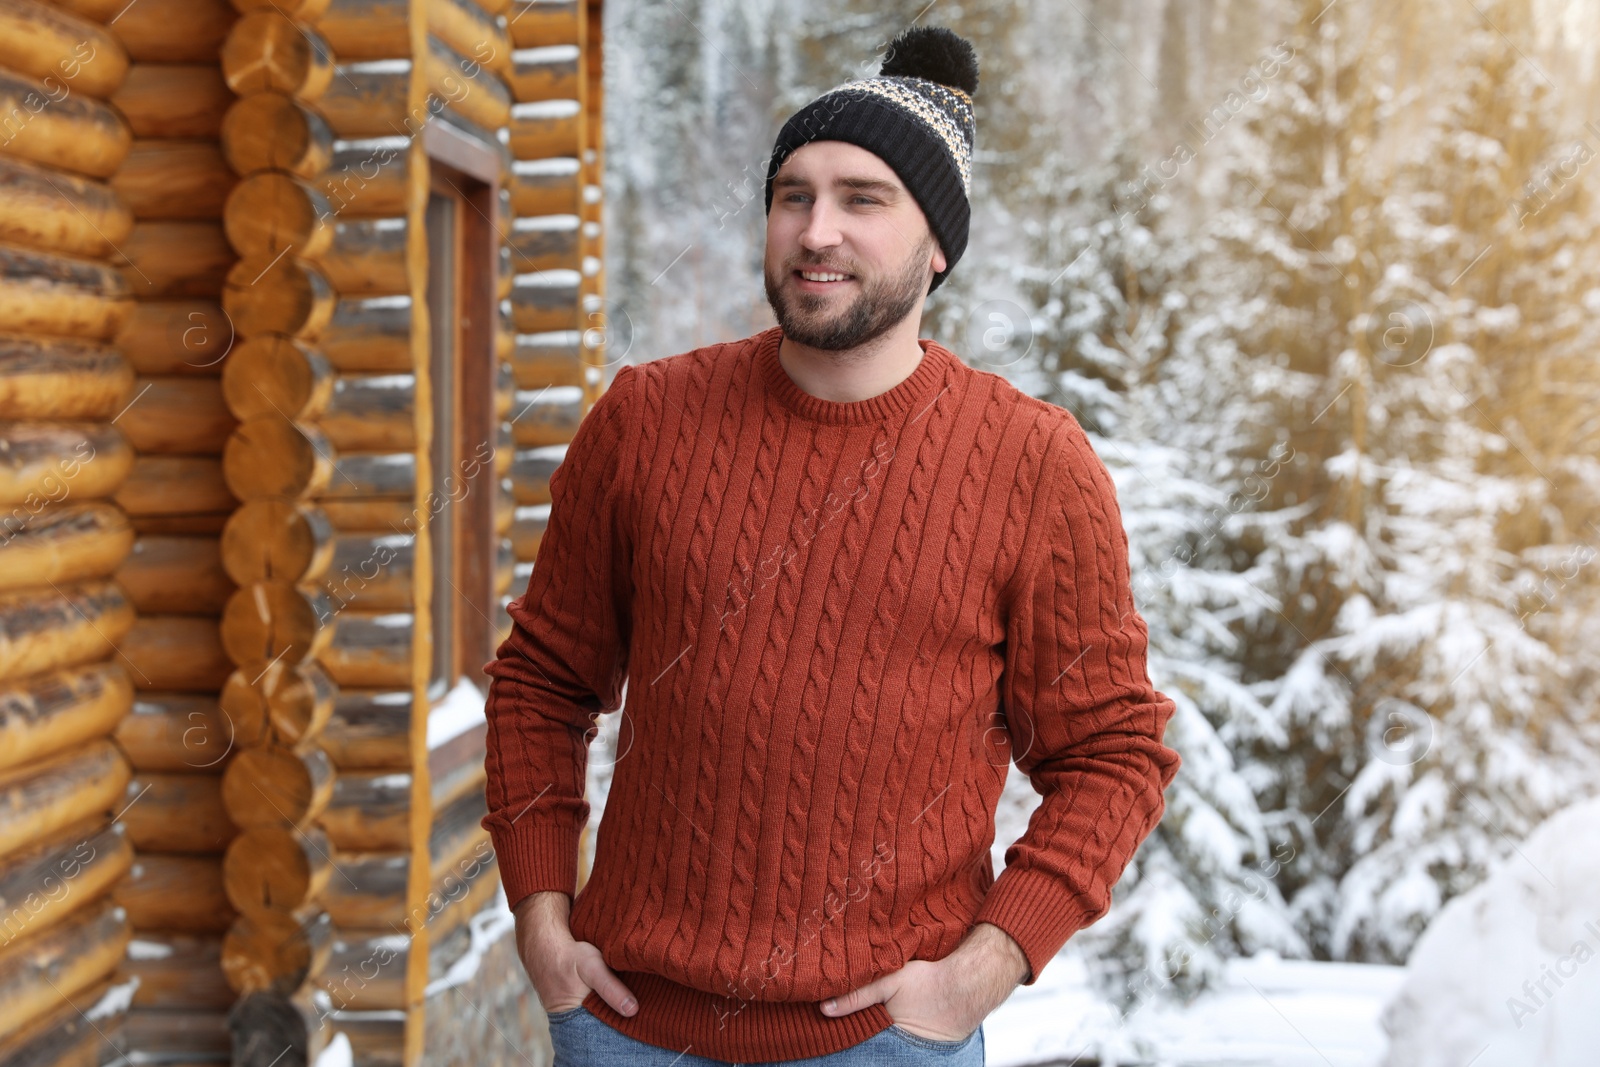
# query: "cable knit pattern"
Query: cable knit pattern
839,624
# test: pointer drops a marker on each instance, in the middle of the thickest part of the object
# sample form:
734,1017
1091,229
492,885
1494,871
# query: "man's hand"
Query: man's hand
947,1000
563,970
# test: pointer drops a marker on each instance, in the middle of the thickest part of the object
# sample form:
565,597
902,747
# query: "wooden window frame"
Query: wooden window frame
468,170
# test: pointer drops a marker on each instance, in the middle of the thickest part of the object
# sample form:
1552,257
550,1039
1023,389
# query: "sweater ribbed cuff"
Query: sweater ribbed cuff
1037,910
535,857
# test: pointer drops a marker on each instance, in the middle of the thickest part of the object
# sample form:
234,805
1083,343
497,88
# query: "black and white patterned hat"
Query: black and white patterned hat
916,116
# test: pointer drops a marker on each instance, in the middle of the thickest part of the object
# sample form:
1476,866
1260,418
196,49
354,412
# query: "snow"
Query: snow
487,927
337,1053
148,950
459,711
1266,1012
1505,976
113,1001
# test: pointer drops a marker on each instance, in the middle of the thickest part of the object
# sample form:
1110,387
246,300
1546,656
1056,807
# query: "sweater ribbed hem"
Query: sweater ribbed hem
677,1017
535,857
915,390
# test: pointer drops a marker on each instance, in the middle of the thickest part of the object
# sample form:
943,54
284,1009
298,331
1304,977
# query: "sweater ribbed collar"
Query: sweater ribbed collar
917,389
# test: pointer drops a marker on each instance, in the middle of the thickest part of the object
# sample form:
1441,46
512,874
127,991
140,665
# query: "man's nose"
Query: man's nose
822,228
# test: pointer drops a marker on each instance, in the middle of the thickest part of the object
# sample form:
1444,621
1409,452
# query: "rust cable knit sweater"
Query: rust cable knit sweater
838,622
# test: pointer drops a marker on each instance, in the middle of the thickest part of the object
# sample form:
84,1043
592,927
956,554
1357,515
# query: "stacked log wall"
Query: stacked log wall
63,460
177,739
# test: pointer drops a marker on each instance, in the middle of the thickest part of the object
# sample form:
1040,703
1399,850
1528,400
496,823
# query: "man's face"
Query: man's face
839,209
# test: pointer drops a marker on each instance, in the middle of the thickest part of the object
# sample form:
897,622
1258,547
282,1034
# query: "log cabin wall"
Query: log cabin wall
175,181
63,614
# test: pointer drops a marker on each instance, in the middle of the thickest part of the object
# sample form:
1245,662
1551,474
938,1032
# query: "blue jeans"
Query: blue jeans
581,1040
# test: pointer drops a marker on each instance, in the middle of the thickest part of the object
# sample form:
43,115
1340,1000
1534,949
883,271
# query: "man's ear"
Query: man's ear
938,257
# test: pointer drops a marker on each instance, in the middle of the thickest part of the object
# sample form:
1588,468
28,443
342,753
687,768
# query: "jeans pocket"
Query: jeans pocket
566,1016
932,1043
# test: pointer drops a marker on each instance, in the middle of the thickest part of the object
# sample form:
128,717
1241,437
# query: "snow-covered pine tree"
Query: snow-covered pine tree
1112,338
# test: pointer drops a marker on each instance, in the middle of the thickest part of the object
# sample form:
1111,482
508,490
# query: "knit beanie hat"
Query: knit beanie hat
916,116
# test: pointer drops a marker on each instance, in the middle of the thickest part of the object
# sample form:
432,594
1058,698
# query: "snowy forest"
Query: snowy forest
1321,281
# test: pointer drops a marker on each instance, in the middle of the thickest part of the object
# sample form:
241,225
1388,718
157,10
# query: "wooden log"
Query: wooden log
59,295
368,257
176,894
369,334
545,186
284,295
299,10
368,178
370,729
269,213
371,474
471,32
55,378
370,99
278,702
268,52
269,456
146,30
42,798
371,413
45,714
369,812
176,259
476,94
273,1030
45,122
275,375
455,761
274,951
69,1035
545,242
290,541
460,895
45,42
549,72
176,732
273,619
366,970
277,869
528,530
504,453
177,813
547,416
42,885
371,572
62,545
370,650
175,485
456,832
177,416
278,787
358,515
174,180
44,462
505,503
174,652
546,301
543,359
505,390
369,890
54,211
189,337
162,100
177,970
167,575
546,128
49,629
366,29
179,1035
271,131
76,955
545,22
530,473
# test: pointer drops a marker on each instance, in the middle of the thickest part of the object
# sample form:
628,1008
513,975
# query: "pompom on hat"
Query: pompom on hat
916,116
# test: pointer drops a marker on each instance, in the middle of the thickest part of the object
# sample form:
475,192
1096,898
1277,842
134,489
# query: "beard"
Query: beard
880,305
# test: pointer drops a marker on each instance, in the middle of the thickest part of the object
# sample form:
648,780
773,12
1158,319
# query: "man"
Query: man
848,579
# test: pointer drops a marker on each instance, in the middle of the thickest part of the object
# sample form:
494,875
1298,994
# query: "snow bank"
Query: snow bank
1509,974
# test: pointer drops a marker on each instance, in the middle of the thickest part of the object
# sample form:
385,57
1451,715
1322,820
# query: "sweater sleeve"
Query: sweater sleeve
565,660
1085,722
